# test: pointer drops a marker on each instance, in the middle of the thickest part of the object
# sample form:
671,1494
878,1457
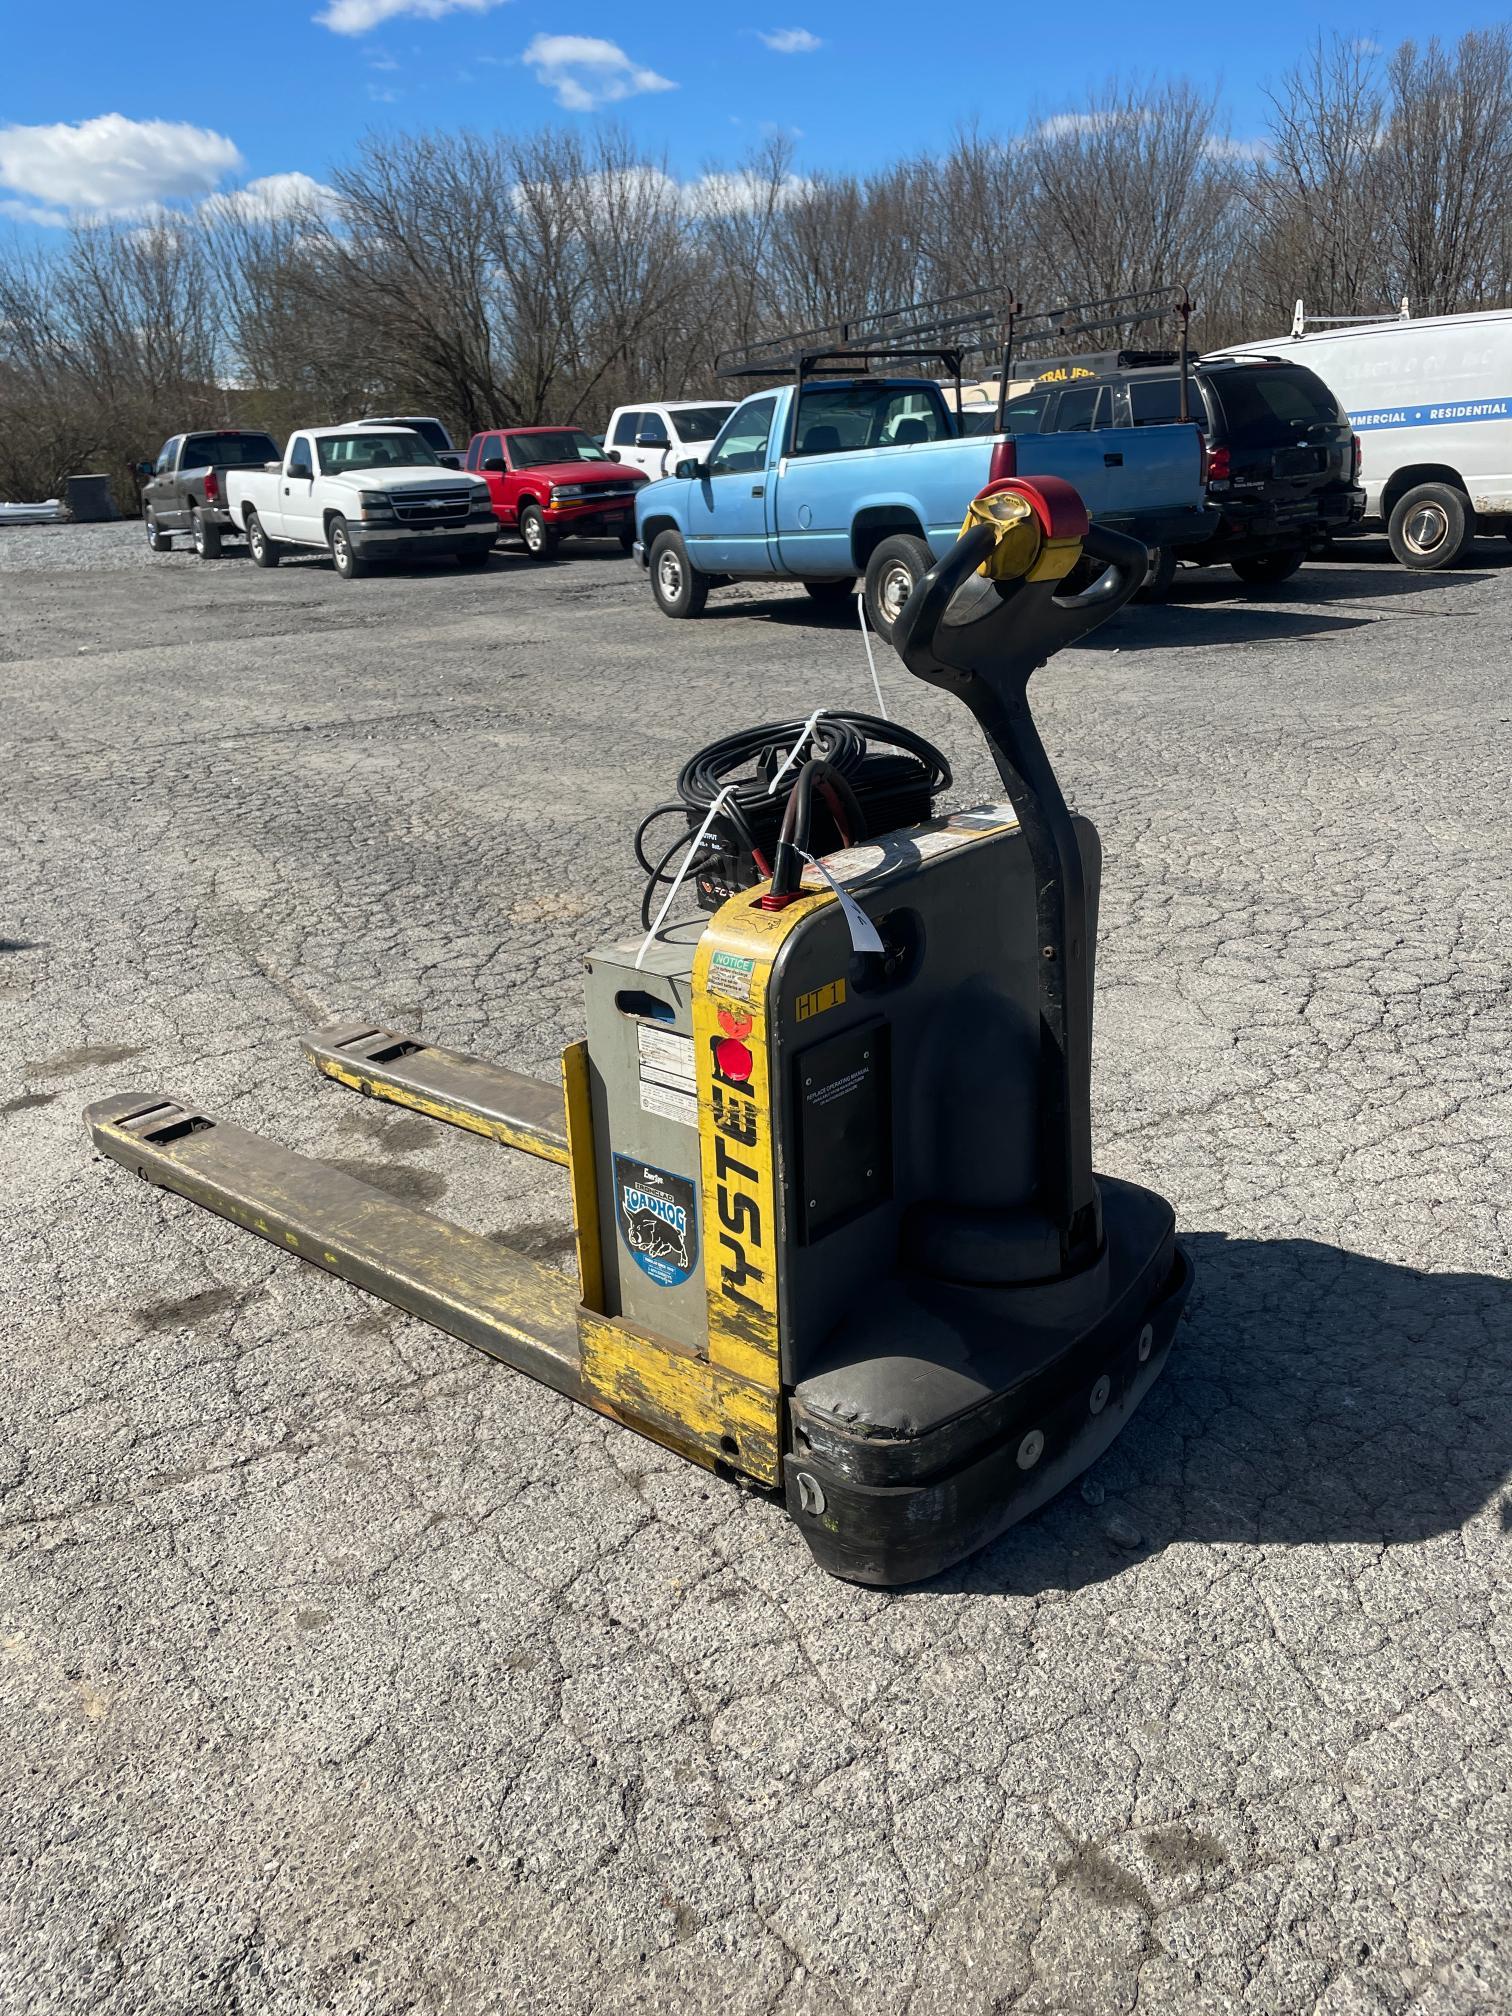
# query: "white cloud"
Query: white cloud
113,164
738,194
33,213
1362,45
1062,125
791,41
356,17
270,197
1219,147
583,72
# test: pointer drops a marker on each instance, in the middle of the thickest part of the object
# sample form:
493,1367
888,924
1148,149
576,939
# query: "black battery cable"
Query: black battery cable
882,764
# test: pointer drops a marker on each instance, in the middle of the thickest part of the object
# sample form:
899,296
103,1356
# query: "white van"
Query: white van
1431,401
656,437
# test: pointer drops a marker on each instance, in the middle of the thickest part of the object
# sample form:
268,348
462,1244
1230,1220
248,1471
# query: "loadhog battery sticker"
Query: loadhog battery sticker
658,1220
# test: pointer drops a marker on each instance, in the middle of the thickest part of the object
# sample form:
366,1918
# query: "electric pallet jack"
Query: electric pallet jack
838,1233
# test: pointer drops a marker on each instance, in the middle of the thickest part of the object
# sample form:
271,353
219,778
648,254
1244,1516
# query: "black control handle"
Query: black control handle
983,640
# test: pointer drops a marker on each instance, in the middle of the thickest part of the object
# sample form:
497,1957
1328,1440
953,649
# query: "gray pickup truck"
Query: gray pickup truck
183,491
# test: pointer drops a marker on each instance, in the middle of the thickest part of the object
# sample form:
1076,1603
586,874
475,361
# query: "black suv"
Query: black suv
1282,462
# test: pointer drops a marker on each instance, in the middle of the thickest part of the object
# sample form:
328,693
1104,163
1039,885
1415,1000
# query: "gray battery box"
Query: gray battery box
645,1133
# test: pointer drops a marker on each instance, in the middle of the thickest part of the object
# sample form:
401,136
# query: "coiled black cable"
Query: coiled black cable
885,765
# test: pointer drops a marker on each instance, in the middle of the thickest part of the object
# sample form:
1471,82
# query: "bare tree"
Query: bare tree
1446,159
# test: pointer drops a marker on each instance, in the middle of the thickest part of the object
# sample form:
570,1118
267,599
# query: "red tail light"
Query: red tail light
212,487
1359,456
1004,461
1217,469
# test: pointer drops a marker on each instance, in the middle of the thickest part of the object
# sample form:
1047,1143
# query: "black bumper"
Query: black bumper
888,1512
376,542
1249,527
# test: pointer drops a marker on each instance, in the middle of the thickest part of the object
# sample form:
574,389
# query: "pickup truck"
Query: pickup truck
551,482
185,489
872,476
361,495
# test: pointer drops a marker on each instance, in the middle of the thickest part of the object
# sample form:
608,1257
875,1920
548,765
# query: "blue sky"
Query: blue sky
287,86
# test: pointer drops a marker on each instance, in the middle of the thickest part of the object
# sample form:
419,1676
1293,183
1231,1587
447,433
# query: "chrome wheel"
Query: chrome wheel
255,539
535,533
669,576
1426,529
893,590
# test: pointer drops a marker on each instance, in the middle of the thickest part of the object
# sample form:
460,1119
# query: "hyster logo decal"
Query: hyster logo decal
737,1175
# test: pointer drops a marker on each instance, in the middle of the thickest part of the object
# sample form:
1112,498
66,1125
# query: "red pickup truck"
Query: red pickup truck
547,482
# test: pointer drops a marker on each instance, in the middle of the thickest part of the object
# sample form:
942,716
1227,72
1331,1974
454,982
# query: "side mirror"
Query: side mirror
649,441
301,472
691,466
613,454
145,468
494,465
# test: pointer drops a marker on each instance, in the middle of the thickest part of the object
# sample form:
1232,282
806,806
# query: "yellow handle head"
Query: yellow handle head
1024,550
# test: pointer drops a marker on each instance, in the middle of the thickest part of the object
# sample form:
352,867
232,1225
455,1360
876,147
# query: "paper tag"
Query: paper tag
667,1083
863,933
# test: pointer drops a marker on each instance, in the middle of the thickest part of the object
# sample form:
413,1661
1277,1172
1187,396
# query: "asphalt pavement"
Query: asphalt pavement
344,1671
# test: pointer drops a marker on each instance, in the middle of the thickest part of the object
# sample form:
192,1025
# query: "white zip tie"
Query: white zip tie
792,756
866,640
693,848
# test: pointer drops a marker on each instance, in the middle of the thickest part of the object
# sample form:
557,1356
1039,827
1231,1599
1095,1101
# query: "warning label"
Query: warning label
667,1084
731,976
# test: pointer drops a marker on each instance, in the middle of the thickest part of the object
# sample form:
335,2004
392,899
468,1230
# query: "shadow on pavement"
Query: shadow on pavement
1313,1396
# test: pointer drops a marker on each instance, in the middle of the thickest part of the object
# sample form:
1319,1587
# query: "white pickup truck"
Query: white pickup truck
362,494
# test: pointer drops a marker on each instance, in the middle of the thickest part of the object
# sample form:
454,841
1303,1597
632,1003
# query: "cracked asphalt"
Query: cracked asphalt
345,1671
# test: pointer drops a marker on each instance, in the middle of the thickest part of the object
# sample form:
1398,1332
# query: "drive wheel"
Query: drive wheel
350,564
1160,577
159,540
831,594
1265,570
679,588
263,550
207,536
1430,527
891,574
540,538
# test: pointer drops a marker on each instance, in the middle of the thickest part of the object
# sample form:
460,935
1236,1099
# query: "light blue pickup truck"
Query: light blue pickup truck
828,479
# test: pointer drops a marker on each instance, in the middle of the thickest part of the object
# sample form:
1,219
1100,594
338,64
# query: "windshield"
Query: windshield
1273,404
700,423
340,452
227,451
428,430
556,444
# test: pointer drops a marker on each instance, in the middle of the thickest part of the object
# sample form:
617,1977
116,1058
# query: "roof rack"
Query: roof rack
1401,313
946,330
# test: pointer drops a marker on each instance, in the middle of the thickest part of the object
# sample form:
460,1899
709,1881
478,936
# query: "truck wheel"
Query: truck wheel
159,540
207,536
350,564
1430,527
1162,573
540,538
679,588
891,574
264,551
831,594
1266,570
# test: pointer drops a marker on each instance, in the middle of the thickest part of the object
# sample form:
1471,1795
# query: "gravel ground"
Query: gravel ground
345,1671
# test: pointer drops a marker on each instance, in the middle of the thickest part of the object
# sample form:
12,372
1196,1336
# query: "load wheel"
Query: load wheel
349,563
1430,526
679,588
540,538
264,550
207,536
159,540
831,594
1157,582
1266,570
891,574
